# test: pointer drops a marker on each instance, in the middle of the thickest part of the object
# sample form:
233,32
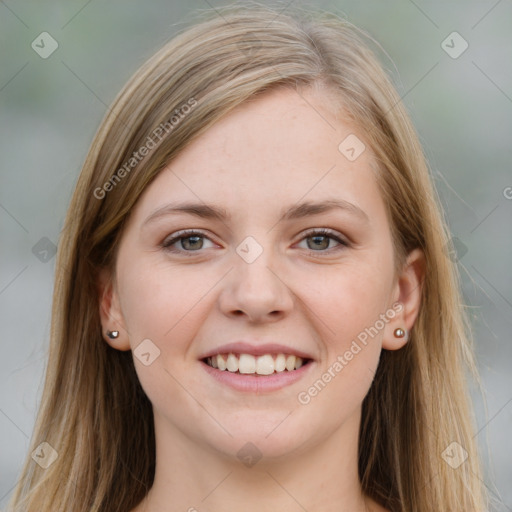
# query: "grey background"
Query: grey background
50,109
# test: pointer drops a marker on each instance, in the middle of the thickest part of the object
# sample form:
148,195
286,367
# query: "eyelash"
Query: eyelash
168,242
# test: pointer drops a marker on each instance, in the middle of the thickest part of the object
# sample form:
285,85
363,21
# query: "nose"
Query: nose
256,290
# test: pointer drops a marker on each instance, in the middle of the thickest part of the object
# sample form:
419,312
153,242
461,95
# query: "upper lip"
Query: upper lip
259,349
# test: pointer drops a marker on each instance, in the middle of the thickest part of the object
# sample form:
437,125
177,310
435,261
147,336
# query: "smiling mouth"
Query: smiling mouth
247,364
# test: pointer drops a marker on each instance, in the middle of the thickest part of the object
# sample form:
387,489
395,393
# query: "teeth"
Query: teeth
280,363
232,363
221,362
261,365
265,365
247,363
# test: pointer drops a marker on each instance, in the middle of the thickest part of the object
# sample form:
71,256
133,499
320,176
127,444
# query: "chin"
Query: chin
269,437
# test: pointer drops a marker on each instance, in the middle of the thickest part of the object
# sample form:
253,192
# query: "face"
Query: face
286,259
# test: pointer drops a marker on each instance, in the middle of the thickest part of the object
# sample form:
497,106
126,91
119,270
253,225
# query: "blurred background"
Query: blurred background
61,65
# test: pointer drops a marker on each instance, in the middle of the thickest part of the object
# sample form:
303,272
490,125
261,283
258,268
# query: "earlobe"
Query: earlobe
112,325
407,293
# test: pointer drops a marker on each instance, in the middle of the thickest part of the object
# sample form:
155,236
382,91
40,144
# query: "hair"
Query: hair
93,410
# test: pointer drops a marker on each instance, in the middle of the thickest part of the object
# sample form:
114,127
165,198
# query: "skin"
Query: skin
315,295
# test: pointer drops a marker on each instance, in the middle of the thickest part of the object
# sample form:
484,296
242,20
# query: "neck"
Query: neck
190,477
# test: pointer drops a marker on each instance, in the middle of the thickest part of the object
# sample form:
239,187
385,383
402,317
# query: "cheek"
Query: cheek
347,298
348,304
349,310
163,302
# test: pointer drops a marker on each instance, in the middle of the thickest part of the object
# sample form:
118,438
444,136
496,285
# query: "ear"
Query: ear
110,312
407,296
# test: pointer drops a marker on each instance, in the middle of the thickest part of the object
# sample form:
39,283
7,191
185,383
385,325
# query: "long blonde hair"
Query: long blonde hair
93,411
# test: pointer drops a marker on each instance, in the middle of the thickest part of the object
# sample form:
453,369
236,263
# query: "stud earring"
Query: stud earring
113,334
399,333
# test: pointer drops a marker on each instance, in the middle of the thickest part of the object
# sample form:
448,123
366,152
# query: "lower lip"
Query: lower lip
257,383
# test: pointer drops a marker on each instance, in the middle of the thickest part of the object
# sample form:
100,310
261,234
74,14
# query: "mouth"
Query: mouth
256,367
261,365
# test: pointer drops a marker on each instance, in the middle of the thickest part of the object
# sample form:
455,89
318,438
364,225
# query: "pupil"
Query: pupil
194,244
325,239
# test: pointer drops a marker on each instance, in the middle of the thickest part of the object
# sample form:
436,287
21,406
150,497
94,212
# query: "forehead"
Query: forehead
272,150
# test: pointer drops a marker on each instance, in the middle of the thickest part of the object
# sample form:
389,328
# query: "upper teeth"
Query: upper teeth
261,365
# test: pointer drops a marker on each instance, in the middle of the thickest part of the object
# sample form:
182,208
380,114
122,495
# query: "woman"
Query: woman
253,307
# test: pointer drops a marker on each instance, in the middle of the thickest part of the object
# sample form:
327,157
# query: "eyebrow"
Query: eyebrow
305,209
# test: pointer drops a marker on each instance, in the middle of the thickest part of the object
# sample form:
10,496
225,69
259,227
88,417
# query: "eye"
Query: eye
321,240
189,241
